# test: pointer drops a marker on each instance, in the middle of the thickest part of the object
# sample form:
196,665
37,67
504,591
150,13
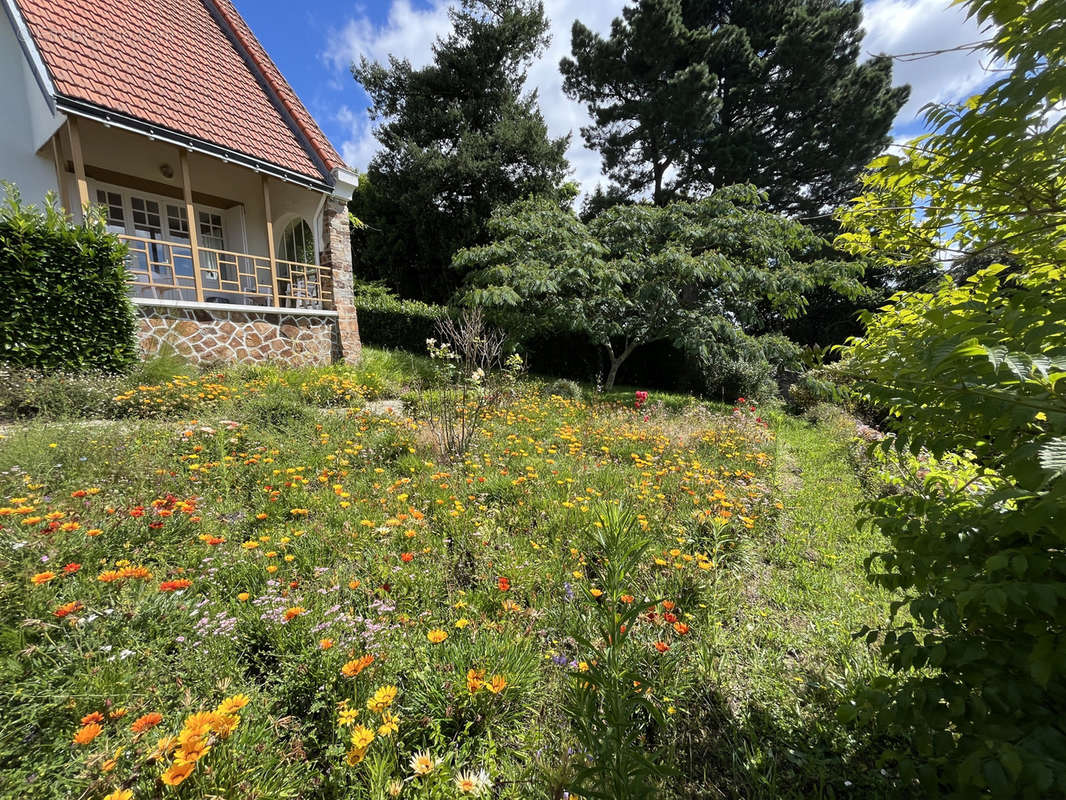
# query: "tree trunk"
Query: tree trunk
616,362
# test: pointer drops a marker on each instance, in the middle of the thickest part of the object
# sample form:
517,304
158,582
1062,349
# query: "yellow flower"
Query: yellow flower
497,684
390,723
361,737
422,763
233,704
112,762
382,699
347,716
120,794
243,597
437,635
462,623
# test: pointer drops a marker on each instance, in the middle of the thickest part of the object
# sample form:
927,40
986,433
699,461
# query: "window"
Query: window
178,222
147,221
116,213
297,243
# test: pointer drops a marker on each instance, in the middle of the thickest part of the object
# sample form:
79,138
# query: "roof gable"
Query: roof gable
192,66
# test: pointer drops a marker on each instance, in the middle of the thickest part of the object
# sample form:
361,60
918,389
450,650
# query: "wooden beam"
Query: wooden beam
61,175
194,224
270,240
79,163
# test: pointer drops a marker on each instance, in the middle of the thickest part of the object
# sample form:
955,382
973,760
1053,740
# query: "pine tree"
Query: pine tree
458,137
691,95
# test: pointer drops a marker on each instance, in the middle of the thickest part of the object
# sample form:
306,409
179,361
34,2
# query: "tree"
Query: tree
458,138
719,272
688,96
976,367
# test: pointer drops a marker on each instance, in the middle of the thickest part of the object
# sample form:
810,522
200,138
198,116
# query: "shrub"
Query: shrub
63,291
30,393
387,321
566,389
275,411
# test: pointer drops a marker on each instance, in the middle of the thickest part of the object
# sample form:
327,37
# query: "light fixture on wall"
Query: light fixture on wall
167,170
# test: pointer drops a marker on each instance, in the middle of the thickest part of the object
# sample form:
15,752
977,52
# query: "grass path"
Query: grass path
784,656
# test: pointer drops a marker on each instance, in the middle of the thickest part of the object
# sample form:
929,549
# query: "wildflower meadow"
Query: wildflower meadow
322,604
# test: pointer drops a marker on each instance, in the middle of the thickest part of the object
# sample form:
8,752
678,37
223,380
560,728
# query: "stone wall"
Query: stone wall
220,335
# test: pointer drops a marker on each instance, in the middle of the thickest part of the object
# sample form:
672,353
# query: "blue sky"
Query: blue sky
314,43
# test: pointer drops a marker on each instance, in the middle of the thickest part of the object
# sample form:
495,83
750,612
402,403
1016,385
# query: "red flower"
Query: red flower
174,586
407,557
504,584
70,569
137,512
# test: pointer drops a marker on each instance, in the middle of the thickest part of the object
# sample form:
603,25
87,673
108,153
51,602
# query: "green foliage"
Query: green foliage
459,138
976,368
25,394
718,277
387,321
701,89
63,292
609,713
567,389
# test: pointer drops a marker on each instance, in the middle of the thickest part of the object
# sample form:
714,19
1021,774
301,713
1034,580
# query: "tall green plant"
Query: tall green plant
607,714
977,367
62,291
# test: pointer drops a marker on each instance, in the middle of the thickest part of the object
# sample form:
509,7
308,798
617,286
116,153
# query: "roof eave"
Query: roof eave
118,119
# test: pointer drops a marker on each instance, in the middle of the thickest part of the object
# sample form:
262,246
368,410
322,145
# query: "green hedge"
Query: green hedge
389,322
63,293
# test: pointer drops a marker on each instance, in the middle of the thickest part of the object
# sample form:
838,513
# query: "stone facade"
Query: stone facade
212,336
337,256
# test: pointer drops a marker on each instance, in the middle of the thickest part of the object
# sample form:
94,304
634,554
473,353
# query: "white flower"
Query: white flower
470,782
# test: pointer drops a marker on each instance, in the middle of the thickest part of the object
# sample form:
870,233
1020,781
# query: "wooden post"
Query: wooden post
79,164
270,242
61,174
194,225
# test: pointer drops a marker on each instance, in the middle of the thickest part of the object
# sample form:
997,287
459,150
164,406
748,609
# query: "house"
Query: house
171,117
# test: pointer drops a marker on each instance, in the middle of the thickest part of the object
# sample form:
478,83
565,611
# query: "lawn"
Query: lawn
253,585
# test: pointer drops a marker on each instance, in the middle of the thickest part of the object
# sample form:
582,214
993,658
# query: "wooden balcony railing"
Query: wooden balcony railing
163,270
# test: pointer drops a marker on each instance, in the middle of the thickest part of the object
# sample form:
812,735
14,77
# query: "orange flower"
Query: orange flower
174,586
325,644
353,668
146,722
681,628
437,635
474,679
626,598
177,772
70,569
95,716
503,584
42,577
668,605
68,608
662,647
406,557
293,612
497,684
86,733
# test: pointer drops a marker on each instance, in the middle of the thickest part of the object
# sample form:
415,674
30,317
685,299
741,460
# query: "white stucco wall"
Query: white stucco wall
27,123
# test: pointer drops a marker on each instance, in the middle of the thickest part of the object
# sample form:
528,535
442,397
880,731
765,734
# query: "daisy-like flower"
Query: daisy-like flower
437,635
353,668
496,684
361,737
294,612
475,679
120,794
146,722
347,716
42,577
390,723
470,782
177,772
233,704
422,763
86,733
382,699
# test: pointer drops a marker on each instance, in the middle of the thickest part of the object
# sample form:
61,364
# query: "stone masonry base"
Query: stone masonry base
249,337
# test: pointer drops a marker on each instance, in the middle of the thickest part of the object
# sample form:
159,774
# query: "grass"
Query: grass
234,553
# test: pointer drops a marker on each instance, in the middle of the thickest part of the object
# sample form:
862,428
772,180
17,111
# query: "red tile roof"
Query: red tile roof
192,66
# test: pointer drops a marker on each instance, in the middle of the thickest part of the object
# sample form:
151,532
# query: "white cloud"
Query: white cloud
896,27
893,26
